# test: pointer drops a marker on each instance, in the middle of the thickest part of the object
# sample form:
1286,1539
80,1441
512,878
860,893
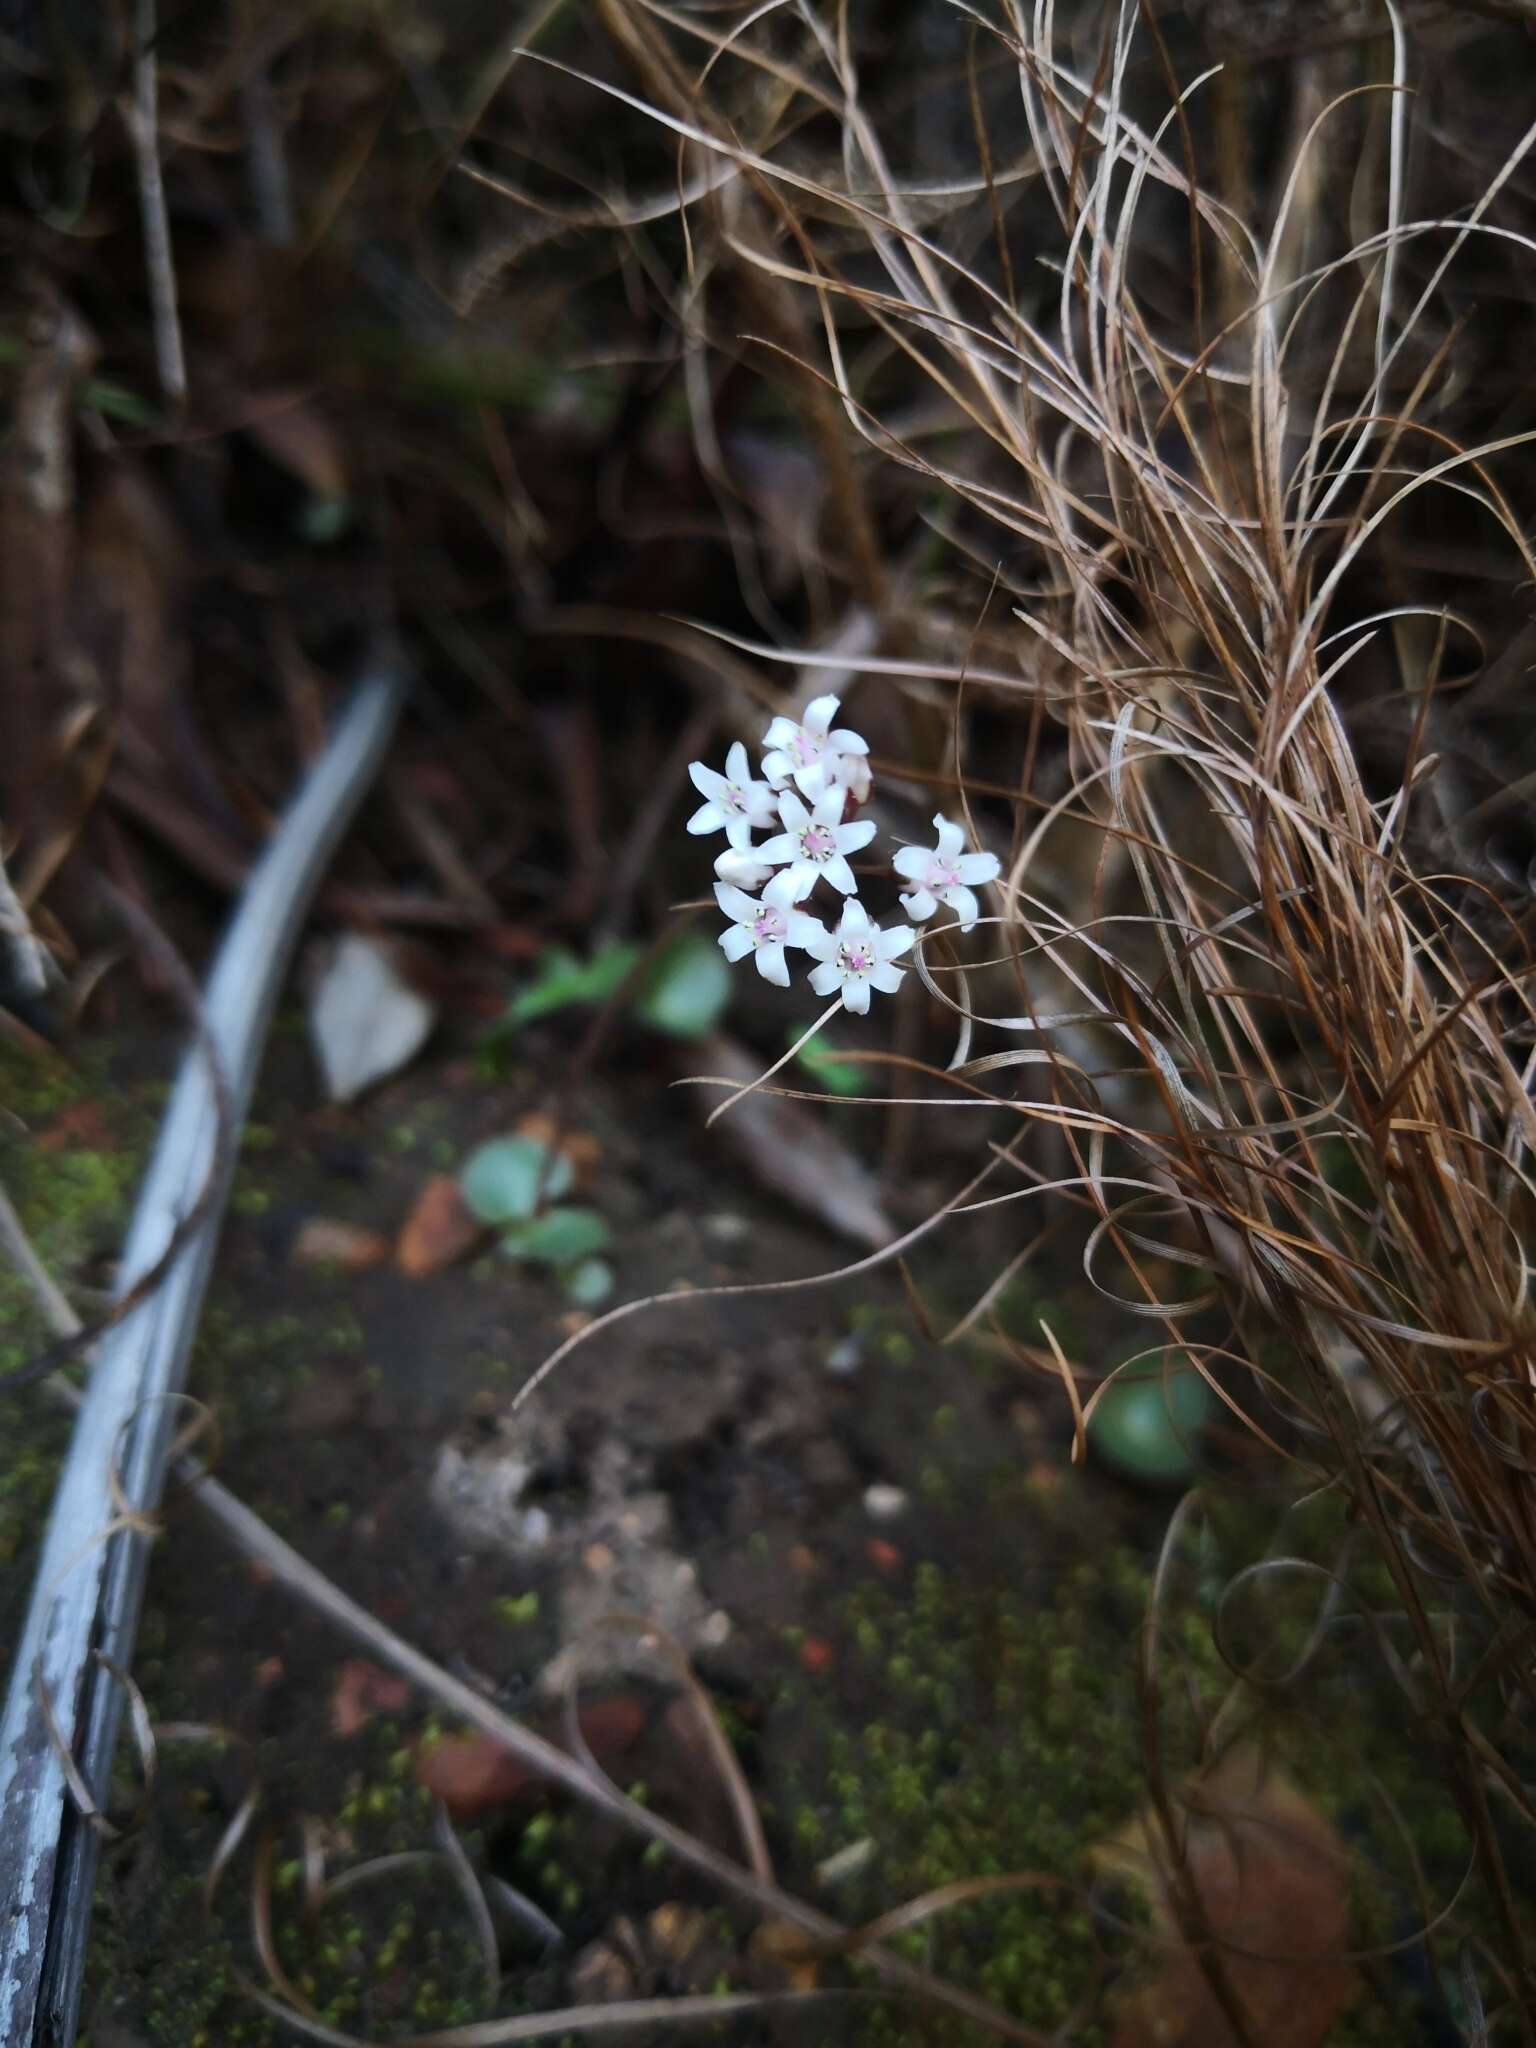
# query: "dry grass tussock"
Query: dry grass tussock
1258,999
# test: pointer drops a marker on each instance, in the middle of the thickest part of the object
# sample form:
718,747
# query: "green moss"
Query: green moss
518,1610
985,1729
73,1199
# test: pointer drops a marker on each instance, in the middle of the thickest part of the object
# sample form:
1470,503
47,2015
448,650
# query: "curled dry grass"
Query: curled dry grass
1272,1042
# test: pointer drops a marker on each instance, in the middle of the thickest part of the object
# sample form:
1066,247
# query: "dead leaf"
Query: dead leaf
438,1230
787,1149
363,1690
470,1773
134,571
292,431
1272,1876
365,1019
328,1241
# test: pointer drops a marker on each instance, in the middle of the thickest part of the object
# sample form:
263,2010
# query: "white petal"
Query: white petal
886,978
804,878
855,921
911,861
819,714
777,769
793,812
778,890
825,979
737,767
856,997
707,818
772,965
851,837
774,852
739,831
890,945
840,875
735,902
762,804
735,943
829,808
951,836
978,867
812,783
705,780
807,933
962,902
844,742
851,772
920,906
743,870
780,733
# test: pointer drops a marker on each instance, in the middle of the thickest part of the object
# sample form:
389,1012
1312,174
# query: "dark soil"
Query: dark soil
914,1616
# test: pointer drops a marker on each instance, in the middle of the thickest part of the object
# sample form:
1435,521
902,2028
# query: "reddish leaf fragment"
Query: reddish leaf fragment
470,1773
80,1128
363,1690
580,1147
438,1230
1272,1877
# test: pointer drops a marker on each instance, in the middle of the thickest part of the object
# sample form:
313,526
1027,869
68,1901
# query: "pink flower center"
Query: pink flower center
817,843
804,748
767,926
734,798
941,875
854,958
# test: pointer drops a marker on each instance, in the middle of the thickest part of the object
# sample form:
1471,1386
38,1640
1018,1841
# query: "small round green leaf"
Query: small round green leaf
560,1237
1147,1425
686,991
506,1178
589,1283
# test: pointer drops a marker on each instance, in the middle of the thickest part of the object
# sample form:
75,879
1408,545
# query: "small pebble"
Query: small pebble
537,1528
727,1228
845,1357
884,1503
716,1629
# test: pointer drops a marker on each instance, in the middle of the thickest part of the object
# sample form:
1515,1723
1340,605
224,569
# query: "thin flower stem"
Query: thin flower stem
799,1045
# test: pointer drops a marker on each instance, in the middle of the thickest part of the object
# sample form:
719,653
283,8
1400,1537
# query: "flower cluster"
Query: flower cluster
814,779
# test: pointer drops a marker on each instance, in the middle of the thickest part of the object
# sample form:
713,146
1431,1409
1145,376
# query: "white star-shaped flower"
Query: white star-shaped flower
804,753
944,874
857,957
765,927
732,801
743,867
816,842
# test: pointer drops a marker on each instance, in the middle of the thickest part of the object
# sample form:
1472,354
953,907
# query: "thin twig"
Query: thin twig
143,119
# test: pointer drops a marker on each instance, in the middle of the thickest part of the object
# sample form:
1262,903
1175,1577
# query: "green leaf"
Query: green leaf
687,989
589,1283
838,1077
504,1180
560,1237
563,980
1148,1424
